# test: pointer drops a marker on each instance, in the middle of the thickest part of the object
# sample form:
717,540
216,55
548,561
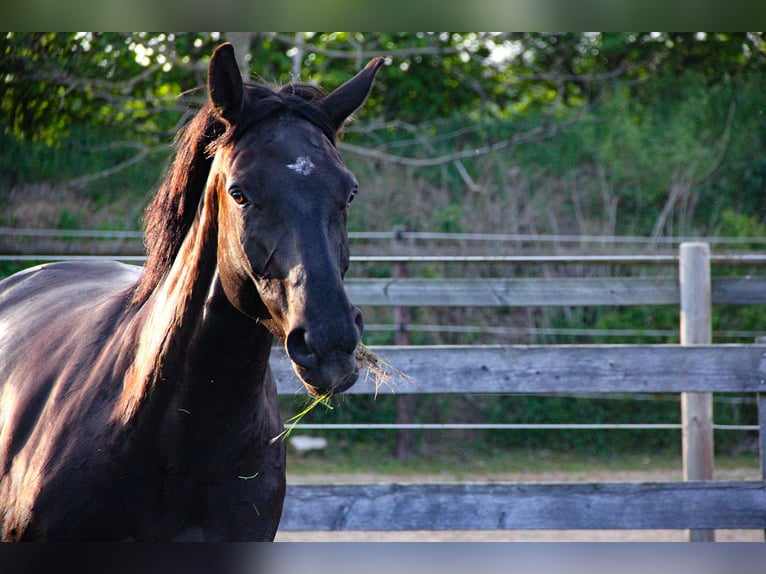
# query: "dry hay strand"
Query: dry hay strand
382,372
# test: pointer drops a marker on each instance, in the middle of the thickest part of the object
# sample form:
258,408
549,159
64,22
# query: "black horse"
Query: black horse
139,404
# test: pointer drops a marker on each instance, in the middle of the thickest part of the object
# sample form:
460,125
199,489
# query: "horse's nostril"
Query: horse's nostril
359,321
299,350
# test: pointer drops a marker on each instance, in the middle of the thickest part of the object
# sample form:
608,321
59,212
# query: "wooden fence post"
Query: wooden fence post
761,400
696,329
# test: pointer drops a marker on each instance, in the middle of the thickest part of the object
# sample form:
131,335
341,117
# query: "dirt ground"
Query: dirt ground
519,535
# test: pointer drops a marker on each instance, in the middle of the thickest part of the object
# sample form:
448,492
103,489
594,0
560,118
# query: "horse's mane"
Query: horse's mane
170,214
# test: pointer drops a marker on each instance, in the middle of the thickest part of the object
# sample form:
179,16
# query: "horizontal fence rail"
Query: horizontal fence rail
562,291
500,506
536,369
555,331
524,292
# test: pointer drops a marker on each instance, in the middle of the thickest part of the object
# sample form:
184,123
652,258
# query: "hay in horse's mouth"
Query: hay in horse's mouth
381,370
293,421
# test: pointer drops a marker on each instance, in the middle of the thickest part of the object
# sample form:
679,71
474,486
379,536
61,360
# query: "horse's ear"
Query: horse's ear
342,102
224,83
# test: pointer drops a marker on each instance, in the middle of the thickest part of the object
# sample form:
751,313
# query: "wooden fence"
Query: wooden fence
546,369
696,368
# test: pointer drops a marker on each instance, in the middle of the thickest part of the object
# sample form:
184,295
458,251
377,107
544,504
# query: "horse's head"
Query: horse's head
282,195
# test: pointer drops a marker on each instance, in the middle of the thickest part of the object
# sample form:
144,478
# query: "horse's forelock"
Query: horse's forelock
263,102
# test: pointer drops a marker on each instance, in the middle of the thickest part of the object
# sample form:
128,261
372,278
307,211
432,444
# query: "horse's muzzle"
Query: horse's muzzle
325,358
328,378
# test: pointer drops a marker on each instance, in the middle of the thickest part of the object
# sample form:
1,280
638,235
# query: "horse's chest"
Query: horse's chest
214,497
154,493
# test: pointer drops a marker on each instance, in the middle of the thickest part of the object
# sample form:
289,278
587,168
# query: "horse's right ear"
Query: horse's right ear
342,102
224,83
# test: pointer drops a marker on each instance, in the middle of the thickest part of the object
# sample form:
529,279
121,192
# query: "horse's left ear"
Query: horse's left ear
342,102
224,83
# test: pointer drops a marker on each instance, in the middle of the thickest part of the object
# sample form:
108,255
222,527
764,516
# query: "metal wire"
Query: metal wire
510,426
728,258
423,236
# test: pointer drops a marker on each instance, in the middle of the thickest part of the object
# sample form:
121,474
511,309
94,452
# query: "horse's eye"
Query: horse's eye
237,195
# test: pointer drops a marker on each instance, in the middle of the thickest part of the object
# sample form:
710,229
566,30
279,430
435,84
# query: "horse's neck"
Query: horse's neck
187,333
168,321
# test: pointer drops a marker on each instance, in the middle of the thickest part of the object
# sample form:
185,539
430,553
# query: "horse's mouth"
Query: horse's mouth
323,383
347,383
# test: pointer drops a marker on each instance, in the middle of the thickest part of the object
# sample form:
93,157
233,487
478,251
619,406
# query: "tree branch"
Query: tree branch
535,134
142,153
360,53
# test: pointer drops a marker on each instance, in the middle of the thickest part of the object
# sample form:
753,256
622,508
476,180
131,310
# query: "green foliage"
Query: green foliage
734,224
447,219
563,410
8,268
531,409
646,319
665,129
53,81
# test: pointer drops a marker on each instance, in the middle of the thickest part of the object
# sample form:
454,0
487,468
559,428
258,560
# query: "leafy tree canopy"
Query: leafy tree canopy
50,81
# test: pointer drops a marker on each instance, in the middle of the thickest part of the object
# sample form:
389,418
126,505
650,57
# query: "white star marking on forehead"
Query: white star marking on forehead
302,165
